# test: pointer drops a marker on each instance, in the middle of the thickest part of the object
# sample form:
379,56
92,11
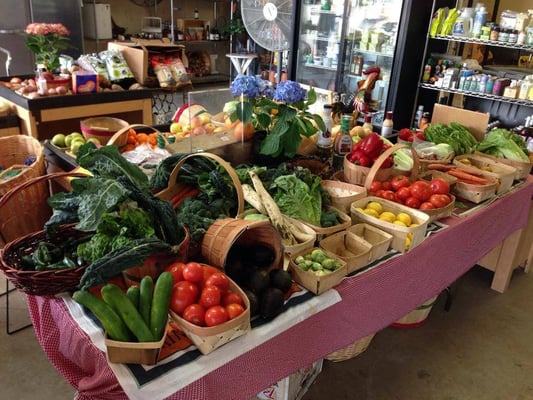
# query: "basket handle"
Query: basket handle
4,199
381,159
118,134
226,165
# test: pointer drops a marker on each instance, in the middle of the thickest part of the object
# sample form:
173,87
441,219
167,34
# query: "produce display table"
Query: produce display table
46,116
370,301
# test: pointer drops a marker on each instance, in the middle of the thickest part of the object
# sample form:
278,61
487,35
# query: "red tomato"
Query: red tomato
220,280
375,186
193,272
386,185
389,195
195,314
216,315
412,202
439,186
403,193
184,293
208,271
210,296
399,181
379,193
230,298
176,270
234,310
439,200
421,190
426,205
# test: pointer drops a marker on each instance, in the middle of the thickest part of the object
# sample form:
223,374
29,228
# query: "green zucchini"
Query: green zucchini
118,300
134,295
160,304
145,299
114,326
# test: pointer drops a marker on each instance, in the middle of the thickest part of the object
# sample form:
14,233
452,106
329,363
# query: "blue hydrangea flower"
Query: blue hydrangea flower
247,85
266,89
289,92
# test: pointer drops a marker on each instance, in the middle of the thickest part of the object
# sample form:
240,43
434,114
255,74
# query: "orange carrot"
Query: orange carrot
467,176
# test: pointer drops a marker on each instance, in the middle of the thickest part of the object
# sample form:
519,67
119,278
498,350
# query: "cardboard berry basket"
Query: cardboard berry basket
345,222
404,238
523,168
207,339
343,194
317,284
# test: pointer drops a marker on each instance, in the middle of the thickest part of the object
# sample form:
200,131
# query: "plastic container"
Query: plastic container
480,18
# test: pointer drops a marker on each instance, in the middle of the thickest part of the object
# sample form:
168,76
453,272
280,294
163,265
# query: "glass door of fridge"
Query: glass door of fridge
372,30
319,48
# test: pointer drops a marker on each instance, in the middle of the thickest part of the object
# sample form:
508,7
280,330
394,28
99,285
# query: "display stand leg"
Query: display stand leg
8,325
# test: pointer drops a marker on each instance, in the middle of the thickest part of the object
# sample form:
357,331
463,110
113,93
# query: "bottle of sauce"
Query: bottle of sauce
367,125
343,142
386,127
324,145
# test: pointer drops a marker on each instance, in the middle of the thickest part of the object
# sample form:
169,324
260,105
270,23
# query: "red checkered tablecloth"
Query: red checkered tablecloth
370,302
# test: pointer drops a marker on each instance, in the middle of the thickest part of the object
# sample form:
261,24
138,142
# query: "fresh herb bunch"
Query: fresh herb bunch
282,111
47,41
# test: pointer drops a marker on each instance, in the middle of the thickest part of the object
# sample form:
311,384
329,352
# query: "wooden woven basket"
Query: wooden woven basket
416,317
352,350
226,232
120,137
41,283
28,210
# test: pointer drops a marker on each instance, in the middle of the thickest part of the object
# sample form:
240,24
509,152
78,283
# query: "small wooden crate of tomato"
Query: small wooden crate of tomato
207,305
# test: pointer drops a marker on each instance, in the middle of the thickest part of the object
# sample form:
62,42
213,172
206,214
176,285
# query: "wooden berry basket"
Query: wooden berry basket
523,169
345,222
487,167
400,234
343,194
312,282
146,353
378,239
349,247
210,338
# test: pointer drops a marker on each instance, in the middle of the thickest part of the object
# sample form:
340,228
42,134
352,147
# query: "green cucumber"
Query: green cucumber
110,320
160,304
117,299
134,294
145,299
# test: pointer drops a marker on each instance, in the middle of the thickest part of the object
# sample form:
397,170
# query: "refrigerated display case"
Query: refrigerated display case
332,48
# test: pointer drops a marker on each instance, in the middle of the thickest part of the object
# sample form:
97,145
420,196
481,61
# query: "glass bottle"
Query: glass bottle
367,125
343,142
386,127
323,143
196,14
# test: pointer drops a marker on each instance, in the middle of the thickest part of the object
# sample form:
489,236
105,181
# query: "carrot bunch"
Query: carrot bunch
135,139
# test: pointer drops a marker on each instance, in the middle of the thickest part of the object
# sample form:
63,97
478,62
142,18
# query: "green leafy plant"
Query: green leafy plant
282,111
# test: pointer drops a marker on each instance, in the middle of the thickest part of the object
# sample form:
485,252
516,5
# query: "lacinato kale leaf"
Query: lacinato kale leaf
107,162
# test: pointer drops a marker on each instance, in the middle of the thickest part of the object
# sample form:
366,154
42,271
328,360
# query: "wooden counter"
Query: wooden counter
46,116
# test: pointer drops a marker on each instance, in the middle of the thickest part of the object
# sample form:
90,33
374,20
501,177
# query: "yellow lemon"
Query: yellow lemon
405,218
375,206
360,209
387,216
399,223
407,243
371,212
413,225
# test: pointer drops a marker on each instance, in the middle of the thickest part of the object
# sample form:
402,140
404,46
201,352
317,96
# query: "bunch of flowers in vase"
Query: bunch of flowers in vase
280,110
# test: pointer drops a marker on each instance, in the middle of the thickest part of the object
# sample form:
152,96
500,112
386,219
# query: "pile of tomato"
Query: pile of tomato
202,295
422,195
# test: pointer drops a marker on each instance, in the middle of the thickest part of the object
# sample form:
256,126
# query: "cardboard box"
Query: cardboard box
136,55
294,386
474,121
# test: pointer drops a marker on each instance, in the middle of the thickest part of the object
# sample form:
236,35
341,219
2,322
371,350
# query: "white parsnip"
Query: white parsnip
272,209
251,196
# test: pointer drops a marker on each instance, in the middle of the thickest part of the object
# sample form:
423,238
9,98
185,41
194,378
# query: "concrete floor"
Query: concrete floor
480,349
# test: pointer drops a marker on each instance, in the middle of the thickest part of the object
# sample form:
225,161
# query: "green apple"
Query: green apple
59,140
175,127
94,140
76,144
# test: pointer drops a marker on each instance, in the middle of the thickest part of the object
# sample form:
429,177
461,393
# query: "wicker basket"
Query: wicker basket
120,137
28,210
352,350
41,283
24,208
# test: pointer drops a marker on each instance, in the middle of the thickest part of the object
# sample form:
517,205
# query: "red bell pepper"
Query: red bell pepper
372,145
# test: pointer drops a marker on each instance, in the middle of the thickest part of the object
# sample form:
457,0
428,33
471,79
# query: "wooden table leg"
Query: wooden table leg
505,265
